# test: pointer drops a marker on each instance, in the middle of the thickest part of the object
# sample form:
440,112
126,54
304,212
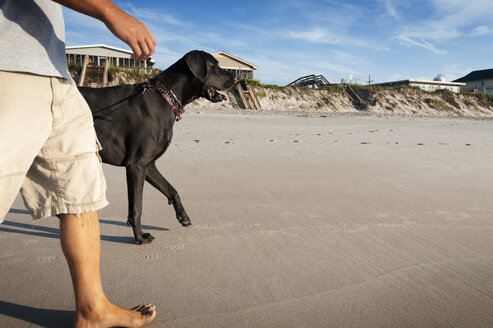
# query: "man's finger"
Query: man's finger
153,39
136,51
145,53
151,46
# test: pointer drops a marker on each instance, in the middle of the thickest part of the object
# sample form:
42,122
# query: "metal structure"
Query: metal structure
311,80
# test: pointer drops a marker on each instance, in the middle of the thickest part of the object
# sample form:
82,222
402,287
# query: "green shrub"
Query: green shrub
254,82
337,87
367,88
134,71
259,84
324,98
72,67
433,101
271,86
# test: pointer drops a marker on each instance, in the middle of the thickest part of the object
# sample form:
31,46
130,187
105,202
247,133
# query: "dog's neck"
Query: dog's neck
173,78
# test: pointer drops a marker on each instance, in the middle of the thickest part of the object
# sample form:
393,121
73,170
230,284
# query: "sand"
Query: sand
297,222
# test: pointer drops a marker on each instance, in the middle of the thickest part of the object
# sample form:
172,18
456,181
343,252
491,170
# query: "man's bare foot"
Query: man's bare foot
110,315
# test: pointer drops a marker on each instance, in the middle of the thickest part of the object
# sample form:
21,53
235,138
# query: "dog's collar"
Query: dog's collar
168,95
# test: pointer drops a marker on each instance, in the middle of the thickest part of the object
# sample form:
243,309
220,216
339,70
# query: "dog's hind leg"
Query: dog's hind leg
156,179
135,185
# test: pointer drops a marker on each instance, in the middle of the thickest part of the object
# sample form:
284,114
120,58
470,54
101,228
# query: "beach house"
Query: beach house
99,53
478,81
239,67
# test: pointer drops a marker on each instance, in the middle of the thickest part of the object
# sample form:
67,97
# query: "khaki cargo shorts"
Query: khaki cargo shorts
48,147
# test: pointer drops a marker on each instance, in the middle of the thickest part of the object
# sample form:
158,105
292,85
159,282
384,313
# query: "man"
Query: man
48,146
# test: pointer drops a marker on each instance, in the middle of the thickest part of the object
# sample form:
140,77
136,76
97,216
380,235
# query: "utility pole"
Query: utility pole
369,80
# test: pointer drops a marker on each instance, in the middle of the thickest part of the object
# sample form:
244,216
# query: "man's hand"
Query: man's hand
132,32
122,25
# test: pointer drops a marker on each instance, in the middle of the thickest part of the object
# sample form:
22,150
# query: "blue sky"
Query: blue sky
387,39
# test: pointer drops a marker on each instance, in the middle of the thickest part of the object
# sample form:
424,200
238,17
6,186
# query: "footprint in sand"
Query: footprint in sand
46,259
177,248
152,257
30,242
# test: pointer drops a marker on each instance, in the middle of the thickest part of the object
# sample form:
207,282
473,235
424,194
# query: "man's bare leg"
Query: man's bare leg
79,236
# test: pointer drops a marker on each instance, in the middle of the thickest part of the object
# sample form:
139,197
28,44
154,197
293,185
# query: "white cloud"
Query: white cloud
316,35
80,21
481,30
146,14
451,20
390,8
406,40
321,35
342,4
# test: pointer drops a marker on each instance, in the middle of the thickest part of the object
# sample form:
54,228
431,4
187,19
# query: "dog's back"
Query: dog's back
102,98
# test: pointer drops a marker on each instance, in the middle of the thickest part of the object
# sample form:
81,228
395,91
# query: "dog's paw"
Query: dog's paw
147,238
184,219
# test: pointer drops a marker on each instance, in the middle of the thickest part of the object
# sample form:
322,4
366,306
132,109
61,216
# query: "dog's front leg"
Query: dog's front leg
156,179
135,184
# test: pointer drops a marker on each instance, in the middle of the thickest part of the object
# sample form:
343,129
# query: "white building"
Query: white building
438,83
98,54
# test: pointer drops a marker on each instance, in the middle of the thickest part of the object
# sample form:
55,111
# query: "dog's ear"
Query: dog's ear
197,64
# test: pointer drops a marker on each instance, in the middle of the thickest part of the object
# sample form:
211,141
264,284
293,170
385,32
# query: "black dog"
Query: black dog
134,124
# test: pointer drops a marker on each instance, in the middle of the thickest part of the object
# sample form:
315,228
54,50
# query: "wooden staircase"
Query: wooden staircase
357,101
93,75
247,96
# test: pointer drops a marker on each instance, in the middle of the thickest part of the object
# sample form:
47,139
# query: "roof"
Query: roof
100,46
437,82
454,83
236,58
484,74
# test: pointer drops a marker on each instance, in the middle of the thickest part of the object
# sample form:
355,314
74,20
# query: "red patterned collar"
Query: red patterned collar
168,95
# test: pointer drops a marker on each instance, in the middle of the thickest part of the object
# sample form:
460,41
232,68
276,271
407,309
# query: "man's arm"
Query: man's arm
122,25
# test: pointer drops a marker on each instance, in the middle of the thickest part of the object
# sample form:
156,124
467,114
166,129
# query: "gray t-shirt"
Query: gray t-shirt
32,37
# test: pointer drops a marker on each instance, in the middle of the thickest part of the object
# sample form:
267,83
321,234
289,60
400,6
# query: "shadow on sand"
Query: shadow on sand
40,317
48,232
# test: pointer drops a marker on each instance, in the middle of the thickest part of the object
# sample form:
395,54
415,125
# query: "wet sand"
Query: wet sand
297,222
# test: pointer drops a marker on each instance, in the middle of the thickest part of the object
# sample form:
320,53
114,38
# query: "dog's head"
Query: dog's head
215,80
